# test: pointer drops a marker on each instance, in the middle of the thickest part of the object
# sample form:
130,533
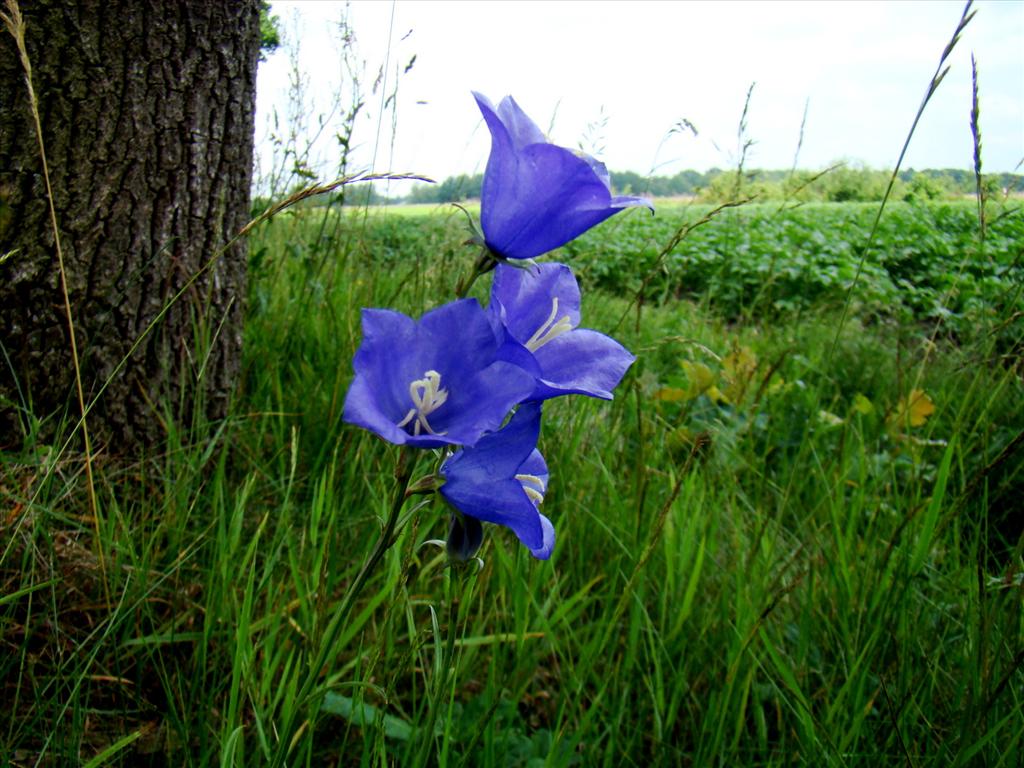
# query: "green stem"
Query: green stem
484,263
403,473
442,687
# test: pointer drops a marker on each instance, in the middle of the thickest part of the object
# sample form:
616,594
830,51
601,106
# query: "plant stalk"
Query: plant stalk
403,473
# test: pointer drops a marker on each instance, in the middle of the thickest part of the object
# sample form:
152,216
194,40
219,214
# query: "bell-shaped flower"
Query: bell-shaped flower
465,537
502,479
538,307
434,382
538,196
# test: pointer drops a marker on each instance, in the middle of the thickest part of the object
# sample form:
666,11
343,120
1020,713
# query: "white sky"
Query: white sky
862,67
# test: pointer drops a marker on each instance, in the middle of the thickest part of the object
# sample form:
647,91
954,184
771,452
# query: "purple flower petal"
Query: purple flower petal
522,130
543,552
582,362
535,464
539,309
538,196
432,383
489,481
524,297
498,501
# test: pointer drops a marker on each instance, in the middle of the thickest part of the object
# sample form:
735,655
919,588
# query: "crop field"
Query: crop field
793,537
925,261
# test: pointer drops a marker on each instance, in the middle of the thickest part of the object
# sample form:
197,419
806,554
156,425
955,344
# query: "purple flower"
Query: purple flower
537,196
465,536
539,309
434,382
502,480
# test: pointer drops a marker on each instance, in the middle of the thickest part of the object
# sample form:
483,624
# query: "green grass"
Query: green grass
791,573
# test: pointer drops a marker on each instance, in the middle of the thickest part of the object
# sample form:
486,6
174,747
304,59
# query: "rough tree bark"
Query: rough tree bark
147,108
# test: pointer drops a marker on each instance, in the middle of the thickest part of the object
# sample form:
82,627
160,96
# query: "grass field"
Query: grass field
794,537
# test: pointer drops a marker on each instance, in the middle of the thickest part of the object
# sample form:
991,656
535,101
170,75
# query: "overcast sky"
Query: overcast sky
614,77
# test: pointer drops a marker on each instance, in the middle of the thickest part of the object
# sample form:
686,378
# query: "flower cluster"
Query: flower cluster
473,379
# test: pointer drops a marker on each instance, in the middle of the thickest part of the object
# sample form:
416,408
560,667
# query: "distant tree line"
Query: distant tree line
842,183
454,189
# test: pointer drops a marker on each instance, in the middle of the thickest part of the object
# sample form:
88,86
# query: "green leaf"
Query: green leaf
363,714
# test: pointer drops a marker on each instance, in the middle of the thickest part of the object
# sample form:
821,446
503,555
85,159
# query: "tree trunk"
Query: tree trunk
147,111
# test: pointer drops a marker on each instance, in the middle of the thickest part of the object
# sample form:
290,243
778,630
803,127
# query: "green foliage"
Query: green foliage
454,189
769,552
926,263
683,183
923,189
855,185
270,30
846,183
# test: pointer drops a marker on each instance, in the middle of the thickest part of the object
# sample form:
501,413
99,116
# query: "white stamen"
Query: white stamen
528,481
427,396
549,329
